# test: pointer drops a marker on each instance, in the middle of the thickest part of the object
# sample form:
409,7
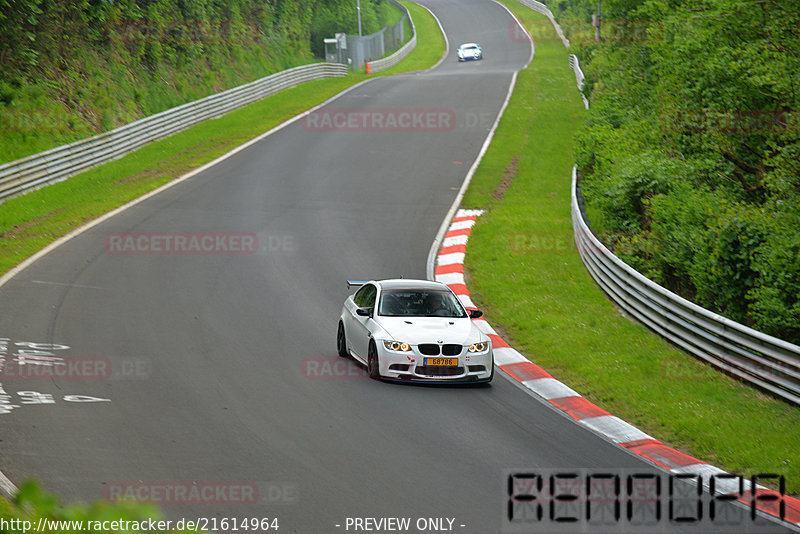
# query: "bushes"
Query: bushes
775,299
100,64
31,503
624,193
723,270
691,150
18,20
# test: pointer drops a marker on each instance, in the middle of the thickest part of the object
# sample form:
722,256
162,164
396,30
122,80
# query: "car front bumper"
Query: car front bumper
411,366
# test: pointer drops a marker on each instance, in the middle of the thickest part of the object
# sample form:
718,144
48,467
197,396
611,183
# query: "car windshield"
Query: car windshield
419,303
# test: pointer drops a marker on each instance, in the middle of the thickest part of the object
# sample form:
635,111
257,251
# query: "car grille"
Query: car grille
451,350
431,349
439,370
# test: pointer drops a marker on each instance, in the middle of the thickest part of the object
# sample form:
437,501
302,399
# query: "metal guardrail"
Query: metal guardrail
765,361
394,59
575,65
60,163
544,10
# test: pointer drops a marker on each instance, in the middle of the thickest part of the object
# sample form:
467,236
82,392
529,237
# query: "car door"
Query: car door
364,298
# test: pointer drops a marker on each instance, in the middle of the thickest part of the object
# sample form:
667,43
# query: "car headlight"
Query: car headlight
478,347
397,346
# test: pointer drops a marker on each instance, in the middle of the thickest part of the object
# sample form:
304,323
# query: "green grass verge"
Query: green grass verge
525,273
30,222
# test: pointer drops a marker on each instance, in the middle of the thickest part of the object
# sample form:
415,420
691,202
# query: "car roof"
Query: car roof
406,283
469,45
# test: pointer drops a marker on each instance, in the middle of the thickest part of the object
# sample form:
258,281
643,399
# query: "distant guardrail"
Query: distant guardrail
544,10
62,162
392,60
575,65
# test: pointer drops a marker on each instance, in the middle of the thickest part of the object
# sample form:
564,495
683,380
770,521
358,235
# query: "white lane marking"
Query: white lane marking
84,398
729,484
466,301
469,213
5,404
7,488
455,240
507,355
550,388
614,428
449,259
450,278
45,282
34,397
484,327
30,353
461,225
703,469
722,485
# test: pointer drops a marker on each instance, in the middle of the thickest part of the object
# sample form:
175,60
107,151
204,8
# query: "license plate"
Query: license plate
452,362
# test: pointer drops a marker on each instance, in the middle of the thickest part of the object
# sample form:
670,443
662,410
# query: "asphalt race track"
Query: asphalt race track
219,368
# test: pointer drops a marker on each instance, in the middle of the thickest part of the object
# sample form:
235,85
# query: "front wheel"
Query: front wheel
373,366
341,341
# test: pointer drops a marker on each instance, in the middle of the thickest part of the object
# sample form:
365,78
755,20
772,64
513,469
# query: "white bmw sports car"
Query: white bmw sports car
469,52
415,331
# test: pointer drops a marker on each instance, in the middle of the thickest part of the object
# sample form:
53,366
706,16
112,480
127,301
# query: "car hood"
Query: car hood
416,330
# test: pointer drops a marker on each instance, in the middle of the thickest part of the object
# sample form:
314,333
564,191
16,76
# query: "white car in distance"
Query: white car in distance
470,52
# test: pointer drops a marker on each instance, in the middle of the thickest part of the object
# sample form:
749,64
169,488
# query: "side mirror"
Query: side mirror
364,312
475,314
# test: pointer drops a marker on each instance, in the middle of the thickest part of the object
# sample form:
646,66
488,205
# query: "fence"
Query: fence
62,162
388,62
357,50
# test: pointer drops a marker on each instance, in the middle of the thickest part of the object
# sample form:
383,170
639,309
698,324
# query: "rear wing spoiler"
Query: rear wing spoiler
356,283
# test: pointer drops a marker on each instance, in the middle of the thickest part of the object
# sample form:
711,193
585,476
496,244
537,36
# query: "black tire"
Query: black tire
373,366
341,341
